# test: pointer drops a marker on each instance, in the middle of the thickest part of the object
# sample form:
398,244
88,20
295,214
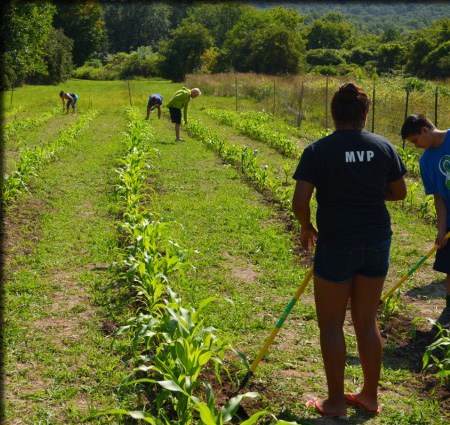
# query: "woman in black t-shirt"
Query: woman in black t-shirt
354,172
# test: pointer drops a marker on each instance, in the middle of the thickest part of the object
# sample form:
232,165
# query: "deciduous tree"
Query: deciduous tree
324,34
82,21
133,24
57,57
25,28
182,53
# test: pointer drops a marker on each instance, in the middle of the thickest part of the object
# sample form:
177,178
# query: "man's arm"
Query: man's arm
185,112
441,213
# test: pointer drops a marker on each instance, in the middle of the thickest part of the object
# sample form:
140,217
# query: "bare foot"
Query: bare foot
368,403
327,408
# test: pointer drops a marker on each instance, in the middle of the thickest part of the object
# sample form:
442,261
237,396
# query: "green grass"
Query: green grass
61,240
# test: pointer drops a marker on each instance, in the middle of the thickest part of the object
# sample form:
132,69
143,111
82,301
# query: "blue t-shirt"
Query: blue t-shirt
158,97
350,169
435,172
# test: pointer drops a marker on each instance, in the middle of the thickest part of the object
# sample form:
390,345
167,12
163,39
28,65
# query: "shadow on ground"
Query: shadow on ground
434,290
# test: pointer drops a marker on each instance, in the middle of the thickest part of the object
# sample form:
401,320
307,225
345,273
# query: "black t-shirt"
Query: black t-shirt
350,169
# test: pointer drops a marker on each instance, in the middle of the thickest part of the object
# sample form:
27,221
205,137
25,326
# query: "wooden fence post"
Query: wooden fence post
12,91
436,106
326,105
373,109
236,90
300,107
273,98
406,108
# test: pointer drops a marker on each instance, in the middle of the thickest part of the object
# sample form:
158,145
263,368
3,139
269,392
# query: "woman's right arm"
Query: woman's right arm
395,190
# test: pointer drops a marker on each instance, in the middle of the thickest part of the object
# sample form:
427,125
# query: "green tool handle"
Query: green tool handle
283,317
411,271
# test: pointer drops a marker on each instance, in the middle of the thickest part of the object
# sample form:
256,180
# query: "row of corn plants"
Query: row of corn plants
19,124
12,112
31,159
256,125
169,346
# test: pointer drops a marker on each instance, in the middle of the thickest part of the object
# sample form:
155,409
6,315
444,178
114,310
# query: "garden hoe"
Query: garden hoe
241,412
411,271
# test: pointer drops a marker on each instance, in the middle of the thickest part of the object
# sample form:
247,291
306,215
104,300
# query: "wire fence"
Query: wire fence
301,99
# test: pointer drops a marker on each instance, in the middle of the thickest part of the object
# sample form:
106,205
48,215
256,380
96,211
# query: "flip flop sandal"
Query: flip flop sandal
313,404
351,399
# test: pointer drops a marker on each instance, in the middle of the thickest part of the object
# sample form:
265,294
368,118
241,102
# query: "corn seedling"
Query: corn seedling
391,306
441,362
210,415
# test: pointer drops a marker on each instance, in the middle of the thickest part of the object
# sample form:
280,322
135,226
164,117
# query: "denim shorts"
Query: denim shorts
442,262
339,264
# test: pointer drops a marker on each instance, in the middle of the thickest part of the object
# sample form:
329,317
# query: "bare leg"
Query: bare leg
148,113
331,305
177,130
74,111
365,298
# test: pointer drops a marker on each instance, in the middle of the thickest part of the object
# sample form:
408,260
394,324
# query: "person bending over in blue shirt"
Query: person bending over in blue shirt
71,100
435,172
154,101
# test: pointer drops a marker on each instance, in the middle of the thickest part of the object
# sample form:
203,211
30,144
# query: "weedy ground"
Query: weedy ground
60,239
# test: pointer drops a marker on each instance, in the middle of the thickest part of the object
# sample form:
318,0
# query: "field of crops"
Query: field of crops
143,275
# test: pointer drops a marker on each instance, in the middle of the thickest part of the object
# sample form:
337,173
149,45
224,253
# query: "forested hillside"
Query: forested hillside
372,17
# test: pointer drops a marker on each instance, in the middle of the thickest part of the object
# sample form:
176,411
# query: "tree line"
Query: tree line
47,42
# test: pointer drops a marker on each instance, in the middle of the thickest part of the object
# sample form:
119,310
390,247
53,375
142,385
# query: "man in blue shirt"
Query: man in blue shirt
435,172
154,101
